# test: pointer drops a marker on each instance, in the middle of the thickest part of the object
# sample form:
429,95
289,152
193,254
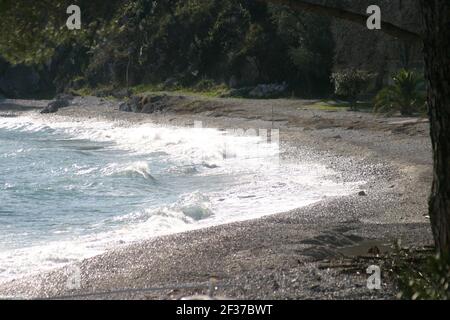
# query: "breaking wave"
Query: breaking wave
73,189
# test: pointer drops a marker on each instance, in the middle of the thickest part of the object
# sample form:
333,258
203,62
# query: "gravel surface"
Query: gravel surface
301,254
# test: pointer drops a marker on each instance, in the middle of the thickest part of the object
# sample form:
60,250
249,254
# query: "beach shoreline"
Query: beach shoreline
280,256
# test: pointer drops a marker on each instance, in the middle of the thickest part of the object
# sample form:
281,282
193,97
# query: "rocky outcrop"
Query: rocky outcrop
154,104
132,105
61,101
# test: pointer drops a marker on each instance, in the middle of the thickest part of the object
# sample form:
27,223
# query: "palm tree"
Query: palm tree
406,95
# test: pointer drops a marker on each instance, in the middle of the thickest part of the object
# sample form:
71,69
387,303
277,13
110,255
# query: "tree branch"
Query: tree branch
386,27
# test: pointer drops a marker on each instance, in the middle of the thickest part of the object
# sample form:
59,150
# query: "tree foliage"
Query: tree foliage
426,279
350,83
236,42
33,30
407,95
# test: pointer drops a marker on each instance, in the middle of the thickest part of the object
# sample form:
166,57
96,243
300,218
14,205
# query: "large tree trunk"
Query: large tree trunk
436,15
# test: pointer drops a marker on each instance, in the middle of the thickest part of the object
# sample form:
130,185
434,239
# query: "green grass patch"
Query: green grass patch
331,105
85,91
199,89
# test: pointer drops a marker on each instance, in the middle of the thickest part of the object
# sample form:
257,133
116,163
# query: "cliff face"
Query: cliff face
356,46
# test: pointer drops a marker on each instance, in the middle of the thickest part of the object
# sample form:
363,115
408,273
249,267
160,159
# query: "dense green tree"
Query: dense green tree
351,83
310,47
238,42
33,30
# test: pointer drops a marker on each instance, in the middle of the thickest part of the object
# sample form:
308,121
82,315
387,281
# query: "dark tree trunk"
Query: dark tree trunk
436,15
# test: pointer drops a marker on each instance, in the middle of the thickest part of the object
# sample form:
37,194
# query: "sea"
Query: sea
72,189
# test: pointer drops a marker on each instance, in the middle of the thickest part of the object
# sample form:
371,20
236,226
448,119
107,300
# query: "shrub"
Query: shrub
425,279
406,95
350,83
205,85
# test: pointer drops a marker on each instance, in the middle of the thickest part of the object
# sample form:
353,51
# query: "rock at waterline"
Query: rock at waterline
362,194
125,107
133,105
61,101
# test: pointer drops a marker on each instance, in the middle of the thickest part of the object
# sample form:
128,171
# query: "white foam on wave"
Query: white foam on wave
20,151
182,144
260,185
178,217
137,168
